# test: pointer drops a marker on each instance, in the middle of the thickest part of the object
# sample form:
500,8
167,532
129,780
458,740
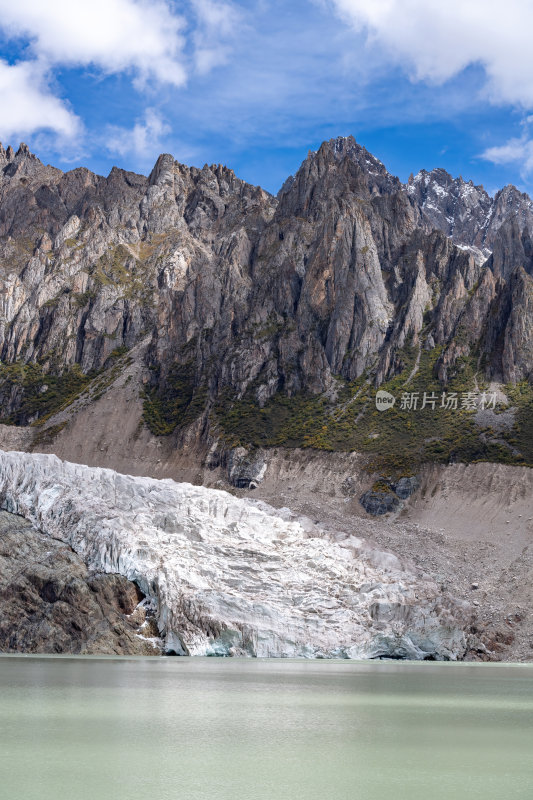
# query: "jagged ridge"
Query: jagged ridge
247,295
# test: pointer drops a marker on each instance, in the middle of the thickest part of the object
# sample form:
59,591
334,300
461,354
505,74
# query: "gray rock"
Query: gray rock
245,470
349,486
467,213
378,503
51,603
405,487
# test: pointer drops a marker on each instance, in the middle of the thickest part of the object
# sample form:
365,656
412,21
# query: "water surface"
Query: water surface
111,729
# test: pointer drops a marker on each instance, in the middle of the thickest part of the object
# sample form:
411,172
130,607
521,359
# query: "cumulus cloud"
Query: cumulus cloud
143,140
113,35
147,39
435,40
28,103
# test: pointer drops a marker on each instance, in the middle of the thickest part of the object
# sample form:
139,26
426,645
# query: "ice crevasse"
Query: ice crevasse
231,576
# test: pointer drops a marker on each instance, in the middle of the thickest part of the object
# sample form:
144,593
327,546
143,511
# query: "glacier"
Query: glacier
235,577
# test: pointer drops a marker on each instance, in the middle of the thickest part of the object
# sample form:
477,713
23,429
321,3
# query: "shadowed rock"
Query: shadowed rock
51,603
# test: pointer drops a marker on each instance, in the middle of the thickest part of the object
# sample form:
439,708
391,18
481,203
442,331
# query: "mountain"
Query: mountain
466,213
189,326
269,320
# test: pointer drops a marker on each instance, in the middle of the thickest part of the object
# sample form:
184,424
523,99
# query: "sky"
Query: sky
255,85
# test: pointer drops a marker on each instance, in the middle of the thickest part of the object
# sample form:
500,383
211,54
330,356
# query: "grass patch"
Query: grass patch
396,441
82,299
37,395
521,436
40,394
174,403
46,436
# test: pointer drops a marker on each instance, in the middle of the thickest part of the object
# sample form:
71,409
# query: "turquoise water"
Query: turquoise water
111,729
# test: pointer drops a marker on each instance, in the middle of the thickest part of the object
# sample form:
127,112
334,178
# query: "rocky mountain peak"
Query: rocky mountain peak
22,163
163,168
24,150
346,147
340,167
466,213
456,207
510,202
6,155
247,296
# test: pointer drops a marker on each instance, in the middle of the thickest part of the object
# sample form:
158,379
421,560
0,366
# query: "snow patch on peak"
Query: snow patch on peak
439,190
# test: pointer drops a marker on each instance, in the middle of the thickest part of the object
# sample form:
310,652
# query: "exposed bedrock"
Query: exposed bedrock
51,603
245,294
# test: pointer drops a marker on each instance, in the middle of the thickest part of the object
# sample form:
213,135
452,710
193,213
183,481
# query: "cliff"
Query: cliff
268,320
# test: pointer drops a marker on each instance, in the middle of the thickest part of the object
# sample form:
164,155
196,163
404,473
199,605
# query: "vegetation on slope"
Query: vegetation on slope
397,440
42,393
174,403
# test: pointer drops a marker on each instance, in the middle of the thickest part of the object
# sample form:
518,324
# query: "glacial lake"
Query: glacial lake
199,729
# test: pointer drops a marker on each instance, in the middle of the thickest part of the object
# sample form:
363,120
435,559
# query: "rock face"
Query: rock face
405,487
467,213
379,503
234,577
51,603
386,496
246,295
460,210
245,470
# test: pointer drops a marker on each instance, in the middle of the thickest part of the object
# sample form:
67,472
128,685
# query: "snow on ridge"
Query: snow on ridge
439,190
231,576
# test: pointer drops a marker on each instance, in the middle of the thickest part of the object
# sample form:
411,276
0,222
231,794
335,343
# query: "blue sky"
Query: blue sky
255,85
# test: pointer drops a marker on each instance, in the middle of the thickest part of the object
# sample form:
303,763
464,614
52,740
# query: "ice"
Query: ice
230,576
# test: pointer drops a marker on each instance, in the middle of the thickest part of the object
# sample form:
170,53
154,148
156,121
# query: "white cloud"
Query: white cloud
113,35
145,38
518,151
435,40
217,24
28,104
142,141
